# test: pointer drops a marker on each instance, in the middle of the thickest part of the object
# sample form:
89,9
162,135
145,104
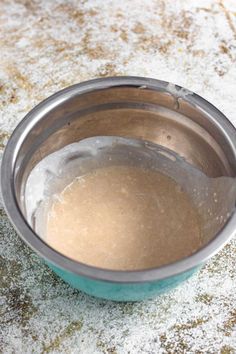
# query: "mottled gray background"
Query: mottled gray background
47,45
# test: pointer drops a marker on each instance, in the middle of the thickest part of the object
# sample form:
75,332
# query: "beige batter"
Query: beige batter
122,218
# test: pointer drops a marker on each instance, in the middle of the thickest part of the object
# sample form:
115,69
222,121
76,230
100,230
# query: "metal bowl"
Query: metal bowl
133,107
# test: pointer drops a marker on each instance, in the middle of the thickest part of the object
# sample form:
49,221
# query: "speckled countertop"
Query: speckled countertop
47,45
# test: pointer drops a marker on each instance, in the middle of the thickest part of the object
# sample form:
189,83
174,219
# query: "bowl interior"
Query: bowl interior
155,115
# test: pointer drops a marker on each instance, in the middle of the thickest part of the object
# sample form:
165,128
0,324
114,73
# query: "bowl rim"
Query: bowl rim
59,260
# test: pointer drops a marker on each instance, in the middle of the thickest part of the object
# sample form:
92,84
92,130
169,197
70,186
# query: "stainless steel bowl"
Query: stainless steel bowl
130,107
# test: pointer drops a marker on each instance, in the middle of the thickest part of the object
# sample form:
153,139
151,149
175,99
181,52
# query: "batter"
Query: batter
124,218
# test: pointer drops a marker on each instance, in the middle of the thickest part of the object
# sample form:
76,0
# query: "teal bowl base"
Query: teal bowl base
121,291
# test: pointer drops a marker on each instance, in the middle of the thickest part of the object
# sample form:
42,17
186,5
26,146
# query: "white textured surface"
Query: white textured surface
47,45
